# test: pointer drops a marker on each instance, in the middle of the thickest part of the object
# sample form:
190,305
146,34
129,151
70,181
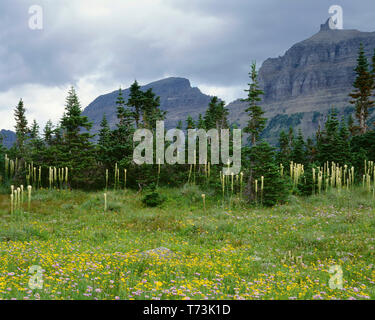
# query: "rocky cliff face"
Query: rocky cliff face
177,97
300,87
312,77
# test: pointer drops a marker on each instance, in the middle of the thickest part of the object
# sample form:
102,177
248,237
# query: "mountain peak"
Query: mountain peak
325,26
174,81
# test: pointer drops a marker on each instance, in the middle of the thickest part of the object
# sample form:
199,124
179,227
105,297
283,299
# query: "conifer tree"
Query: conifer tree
353,129
35,142
21,128
216,115
310,151
256,122
76,150
299,149
179,125
200,123
263,164
135,101
328,142
48,133
151,111
363,86
190,123
343,144
121,139
284,154
105,143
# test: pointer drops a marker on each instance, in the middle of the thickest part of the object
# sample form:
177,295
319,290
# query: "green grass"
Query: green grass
240,252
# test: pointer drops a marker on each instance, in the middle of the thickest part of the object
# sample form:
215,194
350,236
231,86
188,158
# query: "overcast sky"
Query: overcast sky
99,45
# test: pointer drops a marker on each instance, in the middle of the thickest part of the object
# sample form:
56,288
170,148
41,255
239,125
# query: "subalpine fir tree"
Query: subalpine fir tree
150,109
35,143
200,122
299,149
105,144
21,129
310,151
328,141
373,77
76,150
275,187
285,150
2,160
216,115
363,87
48,132
190,123
135,101
122,137
353,129
257,122
343,149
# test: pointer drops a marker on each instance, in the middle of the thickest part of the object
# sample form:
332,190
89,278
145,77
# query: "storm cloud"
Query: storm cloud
99,45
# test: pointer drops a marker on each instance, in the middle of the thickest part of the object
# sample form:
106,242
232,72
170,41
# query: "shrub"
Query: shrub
153,199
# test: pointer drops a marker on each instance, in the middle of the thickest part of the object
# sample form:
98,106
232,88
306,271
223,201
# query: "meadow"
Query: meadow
218,251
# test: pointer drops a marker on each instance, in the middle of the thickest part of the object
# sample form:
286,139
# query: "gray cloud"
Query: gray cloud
211,42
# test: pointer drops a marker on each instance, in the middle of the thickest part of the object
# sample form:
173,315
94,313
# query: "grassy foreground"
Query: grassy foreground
219,253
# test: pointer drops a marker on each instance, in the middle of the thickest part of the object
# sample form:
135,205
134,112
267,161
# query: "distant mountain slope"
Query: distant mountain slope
9,138
177,97
300,87
312,77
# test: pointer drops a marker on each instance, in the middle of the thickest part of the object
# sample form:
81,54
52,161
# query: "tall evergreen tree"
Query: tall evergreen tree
328,142
135,101
48,132
353,129
256,122
21,128
343,148
151,111
35,142
363,86
216,115
200,122
76,150
121,140
190,123
299,149
105,143
285,150
263,164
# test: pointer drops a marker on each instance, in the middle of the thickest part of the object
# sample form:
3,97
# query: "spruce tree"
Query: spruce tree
299,149
200,122
48,133
363,86
105,143
284,154
35,142
256,122
328,142
343,148
21,129
76,150
190,123
121,139
216,115
135,101
310,151
263,164
150,109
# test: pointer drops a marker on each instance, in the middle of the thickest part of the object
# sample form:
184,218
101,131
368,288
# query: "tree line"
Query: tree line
70,144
